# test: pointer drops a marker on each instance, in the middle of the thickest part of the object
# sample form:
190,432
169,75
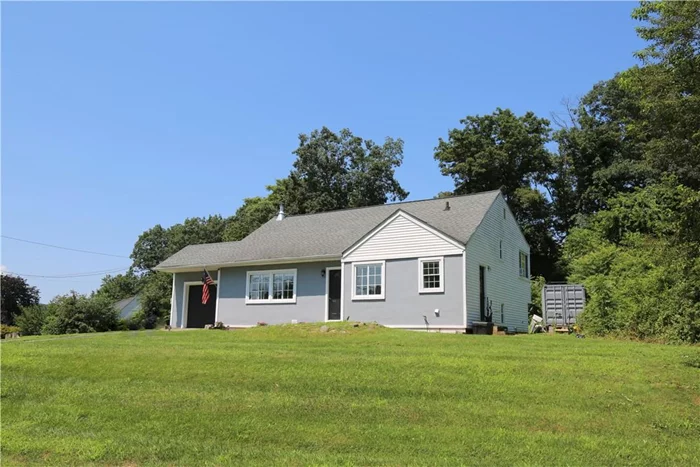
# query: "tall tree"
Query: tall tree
157,243
340,170
668,84
597,157
120,286
502,150
252,214
16,293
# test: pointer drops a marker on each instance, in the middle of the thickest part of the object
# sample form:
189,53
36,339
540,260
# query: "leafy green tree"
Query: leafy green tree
668,85
120,286
155,298
502,150
156,244
597,158
339,170
74,313
32,319
16,293
640,263
252,214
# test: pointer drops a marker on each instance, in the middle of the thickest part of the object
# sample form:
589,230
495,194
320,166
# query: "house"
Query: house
128,306
437,264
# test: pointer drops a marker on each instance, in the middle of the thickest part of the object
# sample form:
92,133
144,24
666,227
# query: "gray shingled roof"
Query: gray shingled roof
329,234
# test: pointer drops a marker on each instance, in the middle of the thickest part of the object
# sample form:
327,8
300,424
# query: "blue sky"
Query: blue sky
120,116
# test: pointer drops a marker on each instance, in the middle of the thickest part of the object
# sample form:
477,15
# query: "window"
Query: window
271,286
504,213
500,249
503,320
430,275
523,265
368,281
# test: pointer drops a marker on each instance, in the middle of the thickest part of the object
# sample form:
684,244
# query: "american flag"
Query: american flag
206,282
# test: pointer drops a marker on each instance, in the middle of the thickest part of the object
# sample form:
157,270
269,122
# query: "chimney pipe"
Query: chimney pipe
447,205
280,215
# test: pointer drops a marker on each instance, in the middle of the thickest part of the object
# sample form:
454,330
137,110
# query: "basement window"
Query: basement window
431,275
271,286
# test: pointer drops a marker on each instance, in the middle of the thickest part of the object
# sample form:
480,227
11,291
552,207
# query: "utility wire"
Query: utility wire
68,276
63,247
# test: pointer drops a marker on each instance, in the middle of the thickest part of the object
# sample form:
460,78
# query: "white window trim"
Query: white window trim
441,289
270,300
354,281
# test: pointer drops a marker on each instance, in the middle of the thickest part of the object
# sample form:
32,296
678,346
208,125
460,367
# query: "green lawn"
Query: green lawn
294,395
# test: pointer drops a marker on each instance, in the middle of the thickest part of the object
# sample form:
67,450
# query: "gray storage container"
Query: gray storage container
562,303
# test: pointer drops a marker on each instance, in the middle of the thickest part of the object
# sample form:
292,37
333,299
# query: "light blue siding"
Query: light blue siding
179,282
402,304
503,282
309,307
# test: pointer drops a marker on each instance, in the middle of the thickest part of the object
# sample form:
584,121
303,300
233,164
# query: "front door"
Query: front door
198,314
334,294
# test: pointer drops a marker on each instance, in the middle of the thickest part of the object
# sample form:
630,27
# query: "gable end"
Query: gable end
402,236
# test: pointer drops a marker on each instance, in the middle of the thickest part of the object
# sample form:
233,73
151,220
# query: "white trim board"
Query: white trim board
328,282
186,295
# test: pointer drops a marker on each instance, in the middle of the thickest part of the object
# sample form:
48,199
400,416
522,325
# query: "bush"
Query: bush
74,313
640,264
32,320
134,322
7,330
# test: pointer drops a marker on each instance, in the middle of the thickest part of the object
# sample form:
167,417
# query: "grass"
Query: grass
295,396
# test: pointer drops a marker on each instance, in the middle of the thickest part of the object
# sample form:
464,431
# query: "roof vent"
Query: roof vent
447,205
280,215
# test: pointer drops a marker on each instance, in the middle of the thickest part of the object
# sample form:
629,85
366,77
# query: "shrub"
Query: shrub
74,313
32,320
640,264
134,322
8,330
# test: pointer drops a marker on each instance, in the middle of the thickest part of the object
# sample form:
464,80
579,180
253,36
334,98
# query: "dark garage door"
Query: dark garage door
197,314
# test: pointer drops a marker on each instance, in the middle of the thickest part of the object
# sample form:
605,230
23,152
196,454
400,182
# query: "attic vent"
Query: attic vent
447,205
280,215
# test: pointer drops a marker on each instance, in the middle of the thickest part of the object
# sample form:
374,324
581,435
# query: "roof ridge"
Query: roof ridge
391,204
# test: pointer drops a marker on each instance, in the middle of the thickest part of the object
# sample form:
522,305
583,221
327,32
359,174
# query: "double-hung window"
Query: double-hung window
431,275
271,286
524,272
368,281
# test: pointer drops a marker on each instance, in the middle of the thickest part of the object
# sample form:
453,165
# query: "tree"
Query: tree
120,286
254,213
668,85
74,313
502,150
597,157
16,293
155,298
640,263
336,171
156,244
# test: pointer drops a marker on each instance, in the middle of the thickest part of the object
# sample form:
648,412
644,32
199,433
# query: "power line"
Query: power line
63,247
67,276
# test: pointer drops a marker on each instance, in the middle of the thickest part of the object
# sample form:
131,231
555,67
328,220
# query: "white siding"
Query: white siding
503,282
402,237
